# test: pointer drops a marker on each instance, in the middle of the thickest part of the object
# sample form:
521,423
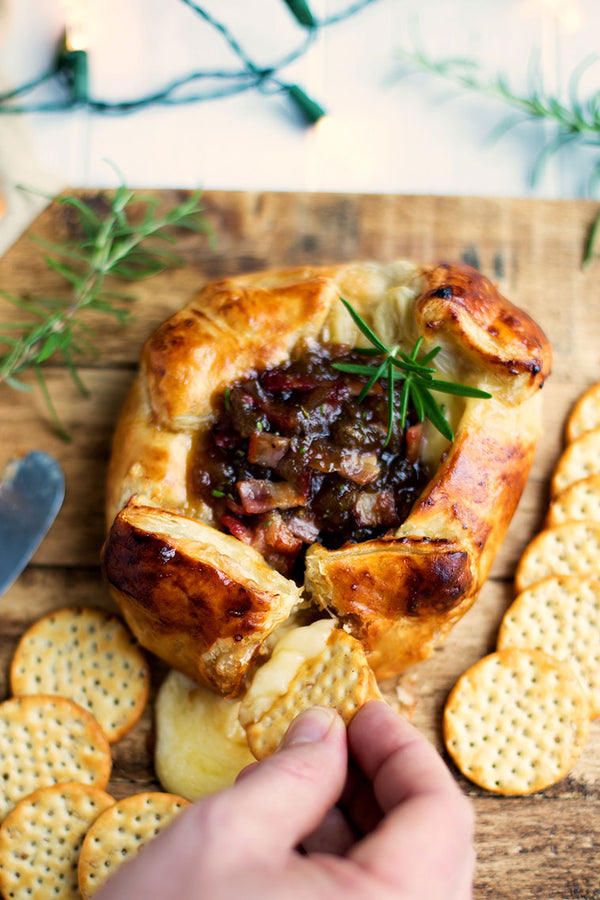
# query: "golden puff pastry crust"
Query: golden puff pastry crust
399,594
197,598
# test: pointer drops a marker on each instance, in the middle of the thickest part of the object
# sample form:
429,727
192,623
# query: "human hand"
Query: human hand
374,809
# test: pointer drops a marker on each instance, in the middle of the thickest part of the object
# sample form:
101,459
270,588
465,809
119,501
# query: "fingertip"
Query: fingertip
377,707
379,715
313,725
377,731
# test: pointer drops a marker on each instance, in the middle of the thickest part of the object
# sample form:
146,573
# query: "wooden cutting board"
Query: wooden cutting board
543,846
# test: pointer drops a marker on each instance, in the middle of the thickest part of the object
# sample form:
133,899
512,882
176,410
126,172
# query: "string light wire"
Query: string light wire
69,71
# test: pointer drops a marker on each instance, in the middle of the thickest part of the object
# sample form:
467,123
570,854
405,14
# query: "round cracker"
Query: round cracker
120,832
516,721
572,548
580,459
46,740
41,838
561,617
585,414
580,502
339,676
90,656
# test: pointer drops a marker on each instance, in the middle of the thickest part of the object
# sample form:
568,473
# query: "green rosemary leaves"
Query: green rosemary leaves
416,377
114,244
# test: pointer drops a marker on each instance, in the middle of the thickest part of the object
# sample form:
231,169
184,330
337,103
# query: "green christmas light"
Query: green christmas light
302,13
309,109
72,65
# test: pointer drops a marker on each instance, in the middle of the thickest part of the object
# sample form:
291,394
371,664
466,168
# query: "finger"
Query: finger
334,835
395,757
427,815
284,797
437,858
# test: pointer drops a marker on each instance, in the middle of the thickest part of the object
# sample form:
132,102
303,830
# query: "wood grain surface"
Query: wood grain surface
544,846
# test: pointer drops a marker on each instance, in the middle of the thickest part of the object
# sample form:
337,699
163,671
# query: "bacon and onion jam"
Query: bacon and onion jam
294,458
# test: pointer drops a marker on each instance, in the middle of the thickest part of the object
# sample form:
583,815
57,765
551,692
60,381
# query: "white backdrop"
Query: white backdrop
384,132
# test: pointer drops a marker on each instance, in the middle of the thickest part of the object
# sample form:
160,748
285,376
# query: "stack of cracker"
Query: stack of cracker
79,683
517,720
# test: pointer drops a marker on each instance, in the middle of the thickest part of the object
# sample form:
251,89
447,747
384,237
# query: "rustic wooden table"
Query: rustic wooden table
544,846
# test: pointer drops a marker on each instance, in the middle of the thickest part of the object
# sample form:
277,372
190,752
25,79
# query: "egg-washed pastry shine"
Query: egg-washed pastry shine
206,601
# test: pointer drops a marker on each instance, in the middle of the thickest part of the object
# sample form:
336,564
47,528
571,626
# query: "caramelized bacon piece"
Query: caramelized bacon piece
375,508
270,535
258,495
355,465
414,436
266,449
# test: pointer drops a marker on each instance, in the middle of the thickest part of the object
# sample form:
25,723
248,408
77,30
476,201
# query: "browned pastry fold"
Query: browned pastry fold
199,599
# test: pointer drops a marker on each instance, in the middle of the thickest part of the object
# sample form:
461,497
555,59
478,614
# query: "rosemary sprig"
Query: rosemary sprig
119,244
415,375
592,246
574,120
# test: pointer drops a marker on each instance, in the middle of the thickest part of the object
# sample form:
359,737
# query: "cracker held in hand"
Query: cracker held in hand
41,838
580,459
580,502
516,721
316,665
45,740
561,616
120,832
569,549
90,656
585,414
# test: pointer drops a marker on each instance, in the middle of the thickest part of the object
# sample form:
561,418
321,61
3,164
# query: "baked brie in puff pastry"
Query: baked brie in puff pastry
249,480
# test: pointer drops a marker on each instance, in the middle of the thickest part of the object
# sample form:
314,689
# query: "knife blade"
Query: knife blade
31,494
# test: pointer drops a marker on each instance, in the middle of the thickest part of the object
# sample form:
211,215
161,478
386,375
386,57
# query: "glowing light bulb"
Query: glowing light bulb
567,13
76,34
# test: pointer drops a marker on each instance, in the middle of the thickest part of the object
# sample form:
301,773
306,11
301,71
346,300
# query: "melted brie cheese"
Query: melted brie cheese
274,677
434,444
200,744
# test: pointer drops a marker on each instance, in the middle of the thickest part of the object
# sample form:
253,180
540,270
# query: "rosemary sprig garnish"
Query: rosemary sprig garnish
415,375
117,244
